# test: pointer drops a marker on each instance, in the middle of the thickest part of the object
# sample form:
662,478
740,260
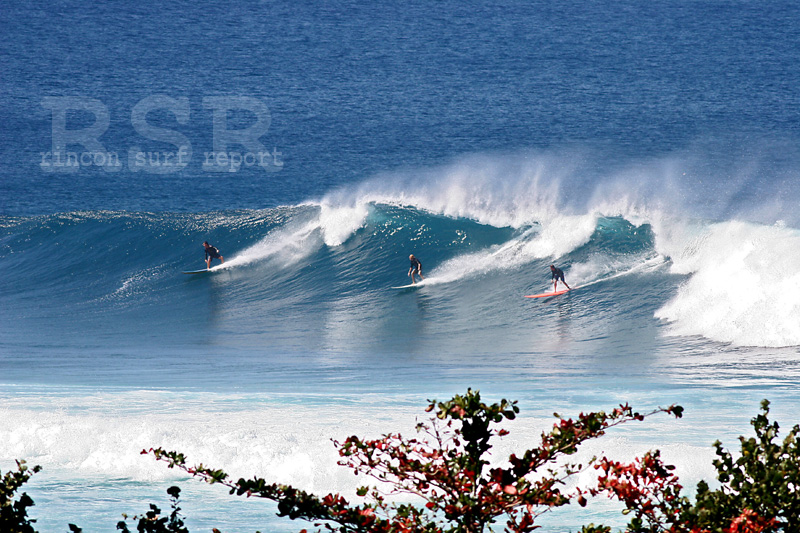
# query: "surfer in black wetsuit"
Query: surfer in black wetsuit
558,274
416,268
212,253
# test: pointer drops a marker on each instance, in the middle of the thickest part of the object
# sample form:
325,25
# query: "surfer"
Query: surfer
416,268
558,274
212,253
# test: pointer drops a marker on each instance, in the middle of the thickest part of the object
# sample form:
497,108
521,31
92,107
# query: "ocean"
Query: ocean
650,150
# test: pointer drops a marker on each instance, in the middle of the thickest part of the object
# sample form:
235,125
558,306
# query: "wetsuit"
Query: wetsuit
416,266
558,274
212,252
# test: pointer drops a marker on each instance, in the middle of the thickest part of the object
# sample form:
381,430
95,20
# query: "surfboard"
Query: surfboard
411,286
548,294
204,271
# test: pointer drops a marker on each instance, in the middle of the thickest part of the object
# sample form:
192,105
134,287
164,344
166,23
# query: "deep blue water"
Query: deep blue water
358,89
650,150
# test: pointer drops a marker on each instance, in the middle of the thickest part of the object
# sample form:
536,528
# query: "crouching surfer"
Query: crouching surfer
212,253
416,268
558,274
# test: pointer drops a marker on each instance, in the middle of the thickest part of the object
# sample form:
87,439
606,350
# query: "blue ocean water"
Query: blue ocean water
649,150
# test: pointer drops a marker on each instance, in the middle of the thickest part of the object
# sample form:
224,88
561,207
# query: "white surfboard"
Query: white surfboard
410,286
204,271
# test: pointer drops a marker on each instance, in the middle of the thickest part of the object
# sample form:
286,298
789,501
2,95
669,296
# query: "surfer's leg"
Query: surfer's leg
221,260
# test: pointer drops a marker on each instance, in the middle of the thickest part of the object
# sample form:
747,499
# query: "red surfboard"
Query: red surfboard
547,294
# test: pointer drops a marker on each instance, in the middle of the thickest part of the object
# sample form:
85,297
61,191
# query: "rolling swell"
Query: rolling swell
124,268
100,256
316,277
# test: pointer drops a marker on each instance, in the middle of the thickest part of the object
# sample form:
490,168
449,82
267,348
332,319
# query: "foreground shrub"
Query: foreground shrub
758,491
153,522
14,512
761,487
445,466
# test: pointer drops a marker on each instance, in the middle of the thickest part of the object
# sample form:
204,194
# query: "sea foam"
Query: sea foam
743,285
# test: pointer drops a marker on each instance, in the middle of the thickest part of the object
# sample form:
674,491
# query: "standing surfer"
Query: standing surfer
212,253
416,268
558,274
